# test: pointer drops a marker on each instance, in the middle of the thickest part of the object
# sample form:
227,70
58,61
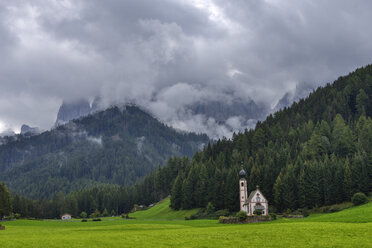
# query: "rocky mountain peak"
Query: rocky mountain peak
72,110
26,129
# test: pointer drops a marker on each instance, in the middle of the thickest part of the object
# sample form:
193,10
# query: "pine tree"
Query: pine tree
289,188
254,178
359,171
369,171
278,193
176,195
202,187
361,102
342,138
186,194
232,192
347,182
5,201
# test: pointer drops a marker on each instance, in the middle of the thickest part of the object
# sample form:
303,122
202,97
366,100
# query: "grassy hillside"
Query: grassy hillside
328,230
162,211
359,214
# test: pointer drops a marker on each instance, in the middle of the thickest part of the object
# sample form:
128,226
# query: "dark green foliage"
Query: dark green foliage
95,214
359,198
257,212
315,153
105,213
222,212
241,215
272,216
305,212
114,198
5,201
210,208
176,194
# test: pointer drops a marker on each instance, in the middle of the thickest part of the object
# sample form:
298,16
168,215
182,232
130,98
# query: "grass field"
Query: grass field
348,228
162,211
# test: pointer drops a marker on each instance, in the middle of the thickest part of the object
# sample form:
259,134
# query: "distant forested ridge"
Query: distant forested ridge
115,146
316,152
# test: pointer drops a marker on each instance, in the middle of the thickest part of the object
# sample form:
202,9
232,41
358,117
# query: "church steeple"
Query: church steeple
243,194
242,173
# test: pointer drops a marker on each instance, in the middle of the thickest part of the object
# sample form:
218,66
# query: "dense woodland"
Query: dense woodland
317,152
314,153
115,146
5,201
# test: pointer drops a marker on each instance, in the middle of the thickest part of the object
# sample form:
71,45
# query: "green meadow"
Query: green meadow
162,211
155,228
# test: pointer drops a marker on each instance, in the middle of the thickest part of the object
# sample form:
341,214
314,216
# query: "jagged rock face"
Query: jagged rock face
285,101
72,110
25,129
220,115
302,90
221,111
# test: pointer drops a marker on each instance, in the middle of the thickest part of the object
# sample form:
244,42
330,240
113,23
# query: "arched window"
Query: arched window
241,184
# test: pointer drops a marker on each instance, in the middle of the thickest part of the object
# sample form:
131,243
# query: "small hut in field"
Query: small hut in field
66,217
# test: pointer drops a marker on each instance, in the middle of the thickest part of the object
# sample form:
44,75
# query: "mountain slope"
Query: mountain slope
314,153
109,147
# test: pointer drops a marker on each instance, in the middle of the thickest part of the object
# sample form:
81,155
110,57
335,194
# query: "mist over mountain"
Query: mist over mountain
301,91
115,146
8,133
179,54
216,117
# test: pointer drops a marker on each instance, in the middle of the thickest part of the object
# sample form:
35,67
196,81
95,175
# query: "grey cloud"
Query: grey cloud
166,55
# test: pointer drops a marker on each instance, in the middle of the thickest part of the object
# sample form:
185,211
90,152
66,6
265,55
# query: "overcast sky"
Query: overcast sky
165,54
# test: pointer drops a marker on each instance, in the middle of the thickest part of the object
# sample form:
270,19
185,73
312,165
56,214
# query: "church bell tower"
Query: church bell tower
243,196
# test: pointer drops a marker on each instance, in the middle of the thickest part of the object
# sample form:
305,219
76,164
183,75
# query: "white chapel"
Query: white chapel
254,201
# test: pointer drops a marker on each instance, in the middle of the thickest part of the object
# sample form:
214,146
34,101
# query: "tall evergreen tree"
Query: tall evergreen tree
5,201
347,183
176,195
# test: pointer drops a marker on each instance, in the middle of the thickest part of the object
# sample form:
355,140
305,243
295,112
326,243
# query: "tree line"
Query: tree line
314,153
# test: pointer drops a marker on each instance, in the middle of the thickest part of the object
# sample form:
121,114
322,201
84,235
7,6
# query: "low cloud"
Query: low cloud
166,55
95,140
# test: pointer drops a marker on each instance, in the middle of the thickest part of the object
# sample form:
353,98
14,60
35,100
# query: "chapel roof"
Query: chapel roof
253,193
